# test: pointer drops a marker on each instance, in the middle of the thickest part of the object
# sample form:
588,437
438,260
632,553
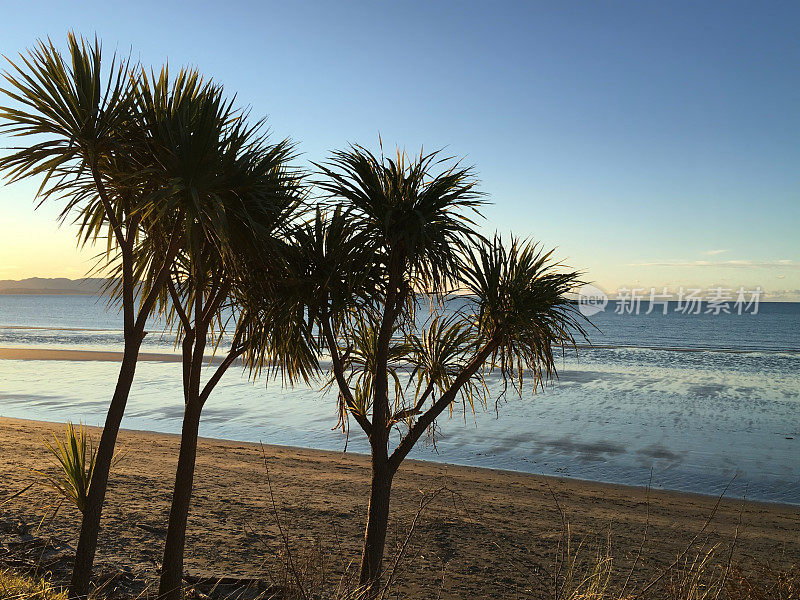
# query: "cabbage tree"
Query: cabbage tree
381,275
220,293
78,118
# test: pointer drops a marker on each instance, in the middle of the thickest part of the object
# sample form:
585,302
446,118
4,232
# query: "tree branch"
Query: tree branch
163,272
214,380
116,226
186,362
188,336
126,248
176,302
427,419
216,300
410,412
338,372
196,362
380,405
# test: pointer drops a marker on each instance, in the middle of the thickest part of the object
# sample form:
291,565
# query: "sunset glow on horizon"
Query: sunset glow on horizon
653,149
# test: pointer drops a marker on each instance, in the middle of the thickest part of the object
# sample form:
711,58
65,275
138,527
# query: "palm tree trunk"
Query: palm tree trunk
172,566
90,526
377,523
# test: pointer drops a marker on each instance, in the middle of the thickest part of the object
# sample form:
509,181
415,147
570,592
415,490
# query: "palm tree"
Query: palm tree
238,212
404,233
89,149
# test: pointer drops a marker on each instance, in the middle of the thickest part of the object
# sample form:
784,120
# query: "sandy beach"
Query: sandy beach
457,302
491,536
83,355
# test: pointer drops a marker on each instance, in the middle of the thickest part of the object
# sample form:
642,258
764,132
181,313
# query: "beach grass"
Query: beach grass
493,534
14,586
75,456
584,573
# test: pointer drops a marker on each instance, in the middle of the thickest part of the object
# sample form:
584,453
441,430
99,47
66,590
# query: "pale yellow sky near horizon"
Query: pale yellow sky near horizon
32,244
684,177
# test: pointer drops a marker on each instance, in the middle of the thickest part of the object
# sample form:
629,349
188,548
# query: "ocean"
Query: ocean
690,402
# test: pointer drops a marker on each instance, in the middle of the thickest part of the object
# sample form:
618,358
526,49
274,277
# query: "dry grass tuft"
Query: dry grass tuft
17,587
781,584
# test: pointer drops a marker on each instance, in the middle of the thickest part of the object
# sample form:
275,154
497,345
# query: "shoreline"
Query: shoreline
27,353
485,524
639,489
735,493
80,355
610,485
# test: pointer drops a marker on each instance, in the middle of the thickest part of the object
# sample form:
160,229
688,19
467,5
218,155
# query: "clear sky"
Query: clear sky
655,143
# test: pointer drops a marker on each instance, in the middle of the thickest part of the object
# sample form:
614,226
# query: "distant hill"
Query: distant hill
55,286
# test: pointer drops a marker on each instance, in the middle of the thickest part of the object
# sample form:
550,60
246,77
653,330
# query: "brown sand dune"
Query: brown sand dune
484,543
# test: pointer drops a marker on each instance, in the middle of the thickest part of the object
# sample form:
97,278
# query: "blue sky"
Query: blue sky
653,143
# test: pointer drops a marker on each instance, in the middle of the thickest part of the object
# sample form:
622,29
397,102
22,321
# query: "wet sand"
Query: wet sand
101,355
495,535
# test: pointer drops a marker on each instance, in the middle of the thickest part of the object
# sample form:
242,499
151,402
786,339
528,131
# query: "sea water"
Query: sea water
689,402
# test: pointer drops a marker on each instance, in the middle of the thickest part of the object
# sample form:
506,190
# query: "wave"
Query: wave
37,328
728,350
90,339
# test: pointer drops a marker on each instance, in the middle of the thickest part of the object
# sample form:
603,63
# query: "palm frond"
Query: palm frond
418,209
81,120
75,457
438,353
521,305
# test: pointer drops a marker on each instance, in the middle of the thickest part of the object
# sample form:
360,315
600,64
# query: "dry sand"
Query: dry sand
489,540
